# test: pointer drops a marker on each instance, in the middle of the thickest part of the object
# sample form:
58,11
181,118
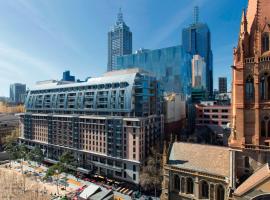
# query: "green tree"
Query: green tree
54,171
12,150
36,155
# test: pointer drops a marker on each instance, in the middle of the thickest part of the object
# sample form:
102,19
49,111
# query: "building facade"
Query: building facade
109,123
222,85
68,77
174,114
119,41
196,39
250,89
198,72
198,176
17,93
172,66
211,114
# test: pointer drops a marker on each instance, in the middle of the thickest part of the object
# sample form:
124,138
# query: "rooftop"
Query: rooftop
255,179
204,158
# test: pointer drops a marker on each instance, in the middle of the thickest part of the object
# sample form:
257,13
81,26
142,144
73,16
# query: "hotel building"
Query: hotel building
109,123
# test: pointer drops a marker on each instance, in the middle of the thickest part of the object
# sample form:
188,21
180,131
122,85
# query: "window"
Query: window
176,182
265,86
220,192
263,128
189,186
205,189
134,177
246,162
265,42
118,173
249,88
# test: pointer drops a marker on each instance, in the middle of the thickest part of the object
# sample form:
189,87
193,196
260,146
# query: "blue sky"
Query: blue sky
41,39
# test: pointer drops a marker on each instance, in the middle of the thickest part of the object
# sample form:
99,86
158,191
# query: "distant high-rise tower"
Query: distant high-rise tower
222,85
196,40
119,41
17,93
198,72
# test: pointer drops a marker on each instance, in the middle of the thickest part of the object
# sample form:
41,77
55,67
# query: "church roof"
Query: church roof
199,157
255,179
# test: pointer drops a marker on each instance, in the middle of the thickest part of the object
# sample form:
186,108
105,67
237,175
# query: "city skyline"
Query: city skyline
40,40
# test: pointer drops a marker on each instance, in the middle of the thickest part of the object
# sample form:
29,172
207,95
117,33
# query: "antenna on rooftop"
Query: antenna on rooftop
120,15
196,15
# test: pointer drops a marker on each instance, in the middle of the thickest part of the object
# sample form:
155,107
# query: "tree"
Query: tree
12,150
54,170
150,176
36,155
22,152
66,161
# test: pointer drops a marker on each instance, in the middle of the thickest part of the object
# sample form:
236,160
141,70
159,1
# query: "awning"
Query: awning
82,170
90,190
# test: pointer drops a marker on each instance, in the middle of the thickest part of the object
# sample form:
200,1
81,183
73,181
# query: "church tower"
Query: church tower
251,83
251,78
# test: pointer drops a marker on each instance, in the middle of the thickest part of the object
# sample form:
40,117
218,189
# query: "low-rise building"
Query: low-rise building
174,114
195,171
212,114
8,124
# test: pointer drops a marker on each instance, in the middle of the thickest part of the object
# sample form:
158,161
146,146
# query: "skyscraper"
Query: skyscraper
119,41
171,66
196,39
17,93
198,72
222,85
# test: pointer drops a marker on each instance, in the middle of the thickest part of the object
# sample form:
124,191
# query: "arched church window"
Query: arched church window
190,186
176,182
263,128
265,42
205,190
262,87
220,192
249,88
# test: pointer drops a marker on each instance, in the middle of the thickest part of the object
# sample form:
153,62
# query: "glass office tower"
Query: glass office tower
119,41
17,93
172,66
196,39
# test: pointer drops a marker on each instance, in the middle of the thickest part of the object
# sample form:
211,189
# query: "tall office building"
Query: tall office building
196,40
17,93
198,72
109,123
119,41
222,85
68,77
170,65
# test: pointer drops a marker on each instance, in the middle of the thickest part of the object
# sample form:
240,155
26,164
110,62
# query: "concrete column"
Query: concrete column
256,137
196,188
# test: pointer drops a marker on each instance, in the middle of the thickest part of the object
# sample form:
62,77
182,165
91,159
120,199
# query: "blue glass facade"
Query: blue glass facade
171,66
196,39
